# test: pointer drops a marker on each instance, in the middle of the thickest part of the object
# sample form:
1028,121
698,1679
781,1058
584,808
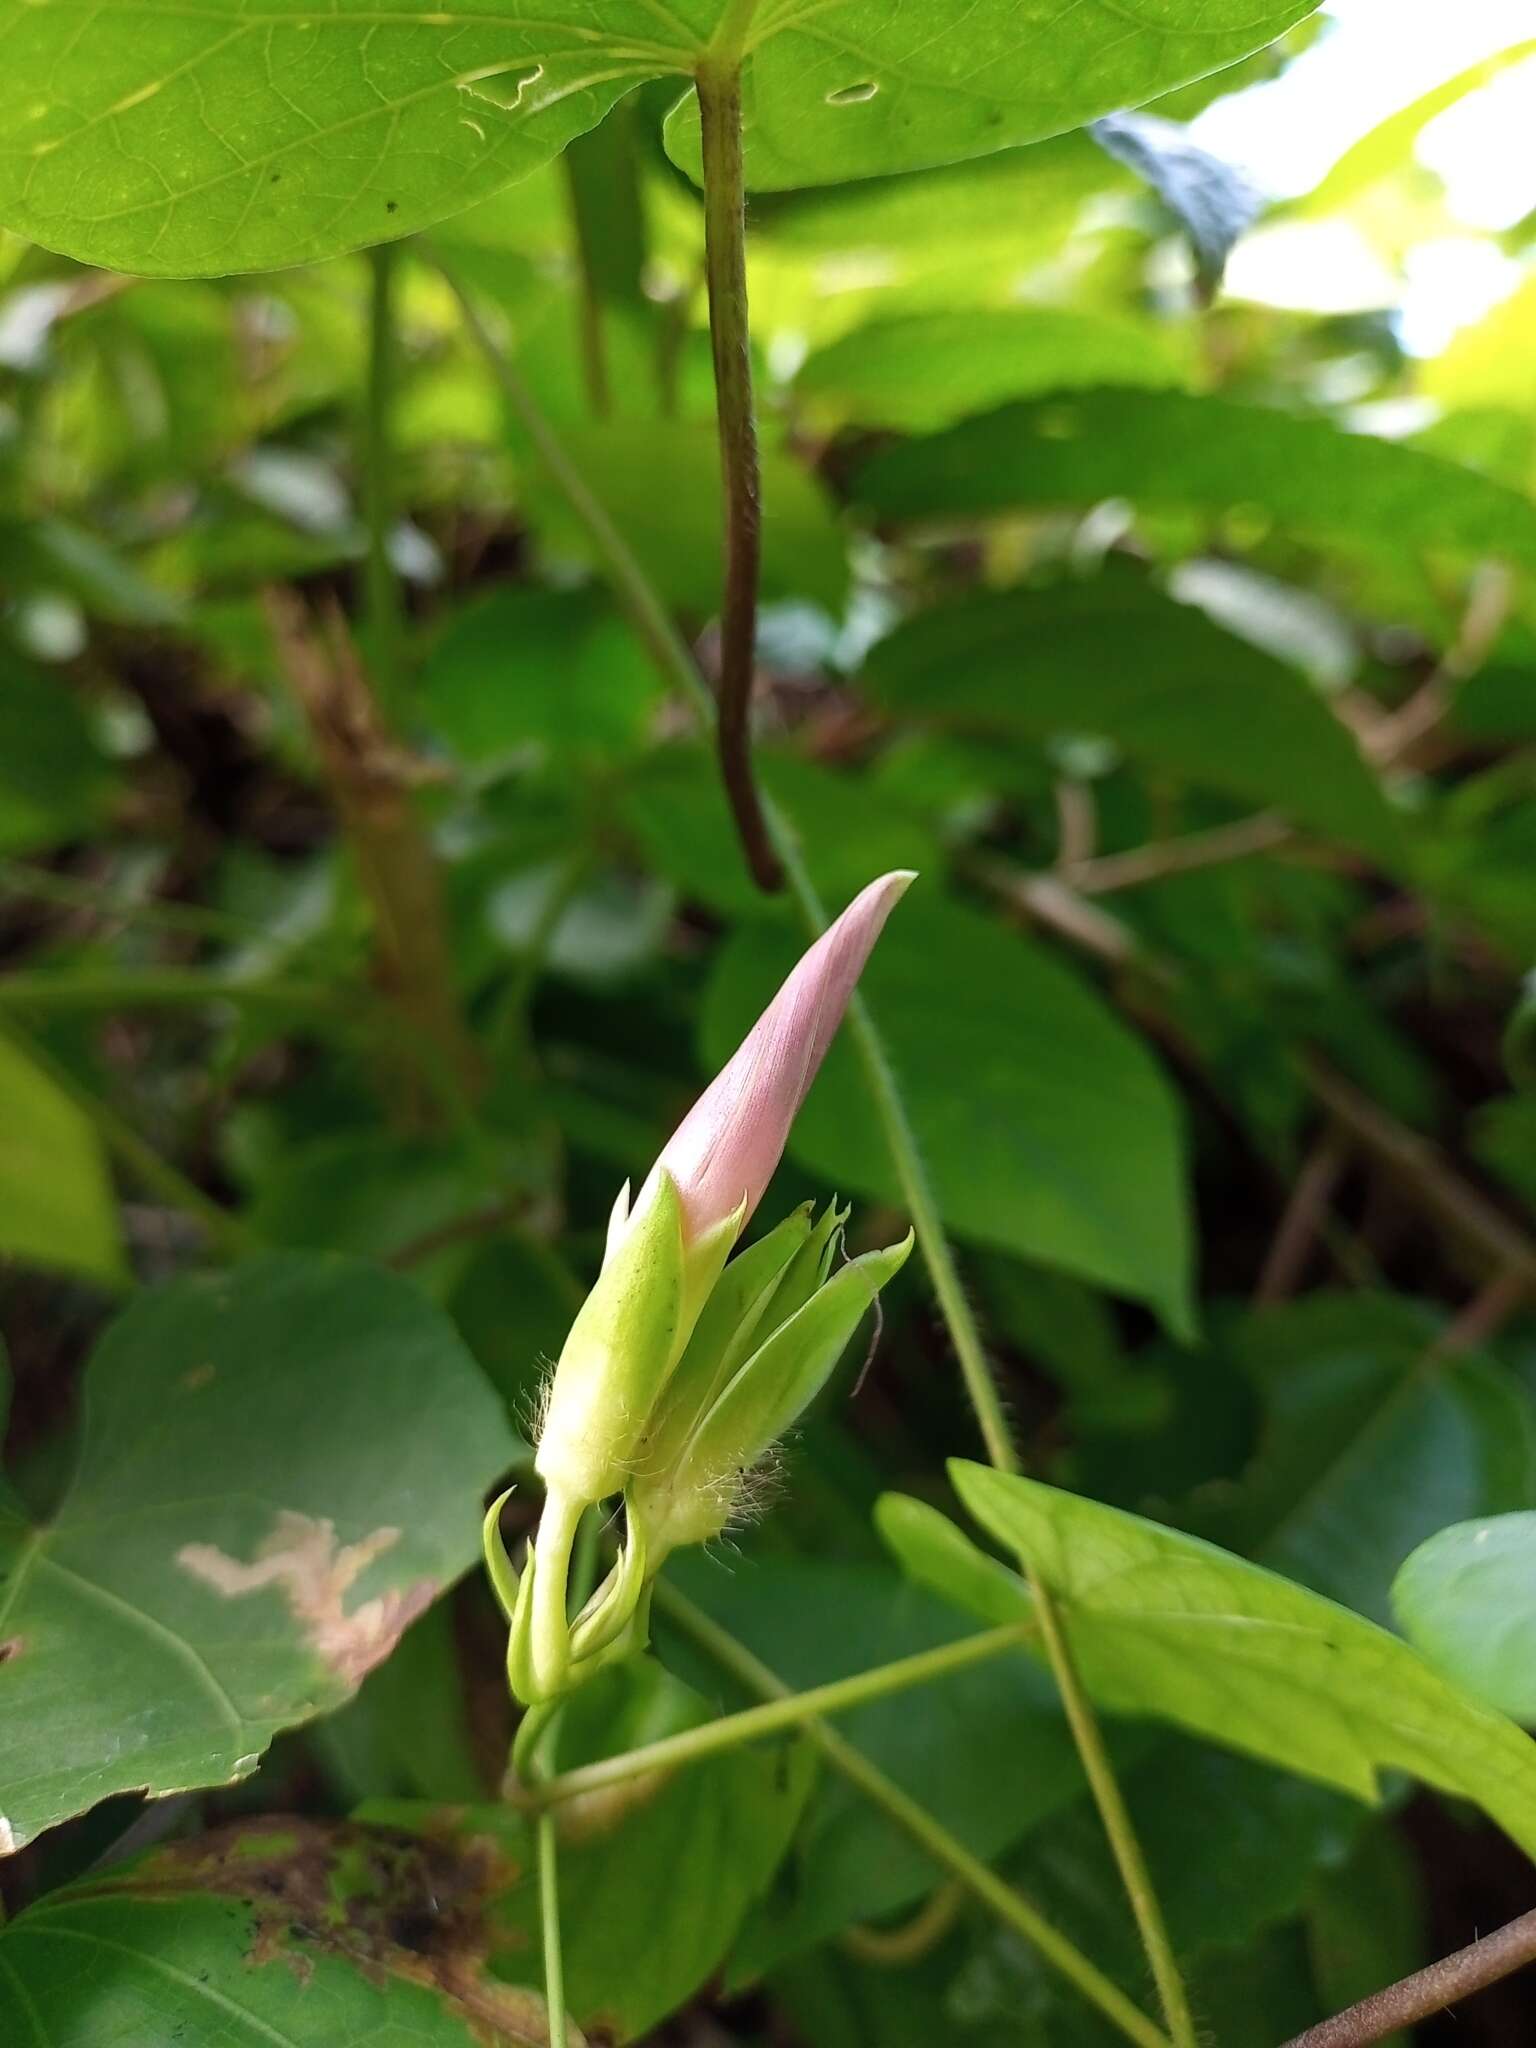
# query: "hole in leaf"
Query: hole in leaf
853,95
503,86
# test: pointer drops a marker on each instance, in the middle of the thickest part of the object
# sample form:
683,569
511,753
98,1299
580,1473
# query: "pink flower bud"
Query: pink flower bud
726,1148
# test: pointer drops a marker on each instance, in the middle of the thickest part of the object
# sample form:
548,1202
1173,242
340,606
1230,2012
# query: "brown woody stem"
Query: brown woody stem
1428,1991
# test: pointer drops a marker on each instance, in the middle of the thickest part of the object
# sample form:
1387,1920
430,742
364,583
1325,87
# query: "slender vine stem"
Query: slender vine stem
792,1710
725,262
383,614
951,1855
1428,1991
677,666
549,1916
159,988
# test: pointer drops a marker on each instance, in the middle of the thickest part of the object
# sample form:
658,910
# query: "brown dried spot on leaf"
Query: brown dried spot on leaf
11,1647
392,1905
301,1556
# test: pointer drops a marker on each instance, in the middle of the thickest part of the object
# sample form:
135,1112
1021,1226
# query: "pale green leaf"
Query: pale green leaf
279,1470
1165,1625
860,88
56,1201
924,370
185,140
1467,1599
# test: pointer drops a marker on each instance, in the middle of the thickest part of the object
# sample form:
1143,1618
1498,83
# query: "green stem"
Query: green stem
594,347
97,898
649,617
677,666
139,1159
950,1854
155,988
549,1632
549,1914
752,1723
725,261
383,614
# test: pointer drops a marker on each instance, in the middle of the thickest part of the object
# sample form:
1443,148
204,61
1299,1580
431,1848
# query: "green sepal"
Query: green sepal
499,1566
609,1610
620,1349
808,1272
722,1339
786,1373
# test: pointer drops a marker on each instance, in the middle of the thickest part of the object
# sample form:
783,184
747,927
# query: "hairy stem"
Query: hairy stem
383,614
1428,1991
790,1711
950,1854
725,258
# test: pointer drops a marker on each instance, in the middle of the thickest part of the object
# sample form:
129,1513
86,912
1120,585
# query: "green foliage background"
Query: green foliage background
370,910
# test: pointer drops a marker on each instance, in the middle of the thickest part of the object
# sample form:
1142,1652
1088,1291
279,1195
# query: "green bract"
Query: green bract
695,1499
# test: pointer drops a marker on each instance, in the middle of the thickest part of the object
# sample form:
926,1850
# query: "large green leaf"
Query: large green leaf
1467,1598
1163,1624
1216,455
56,1202
1046,1125
161,138
1114,655
279,1470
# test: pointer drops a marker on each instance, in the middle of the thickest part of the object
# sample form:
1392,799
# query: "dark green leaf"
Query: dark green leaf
284,1932
1370,1442
989,1752
1113,655
55,781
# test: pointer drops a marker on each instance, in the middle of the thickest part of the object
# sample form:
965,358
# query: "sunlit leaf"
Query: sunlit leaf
1218,456
188,142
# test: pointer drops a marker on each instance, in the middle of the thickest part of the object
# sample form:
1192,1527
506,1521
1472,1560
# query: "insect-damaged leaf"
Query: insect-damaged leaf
174,140
279,1470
